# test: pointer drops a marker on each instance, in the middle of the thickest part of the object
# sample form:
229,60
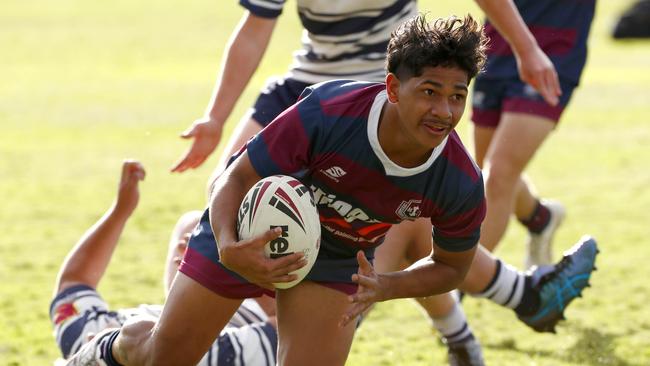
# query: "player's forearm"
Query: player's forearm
245,50
88,260
227,193
424,278
506,19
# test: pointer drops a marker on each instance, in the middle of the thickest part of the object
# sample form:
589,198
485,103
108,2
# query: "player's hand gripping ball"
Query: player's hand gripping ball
282,201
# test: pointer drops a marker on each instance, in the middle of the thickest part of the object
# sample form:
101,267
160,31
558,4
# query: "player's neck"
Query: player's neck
398,146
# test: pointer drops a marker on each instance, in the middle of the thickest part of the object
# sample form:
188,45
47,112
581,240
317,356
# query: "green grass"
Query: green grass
84,86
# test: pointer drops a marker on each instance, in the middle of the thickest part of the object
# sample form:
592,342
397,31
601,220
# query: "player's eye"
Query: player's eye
458,97
429,91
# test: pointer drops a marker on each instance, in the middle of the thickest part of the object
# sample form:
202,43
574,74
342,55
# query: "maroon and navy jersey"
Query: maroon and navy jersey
329,141
561,28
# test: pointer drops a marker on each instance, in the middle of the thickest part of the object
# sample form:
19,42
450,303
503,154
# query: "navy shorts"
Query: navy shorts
333,268
492,97
279,94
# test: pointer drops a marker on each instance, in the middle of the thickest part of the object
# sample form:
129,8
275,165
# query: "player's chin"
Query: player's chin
433,137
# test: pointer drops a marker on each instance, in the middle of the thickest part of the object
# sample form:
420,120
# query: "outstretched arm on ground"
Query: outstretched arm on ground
244,52
88,260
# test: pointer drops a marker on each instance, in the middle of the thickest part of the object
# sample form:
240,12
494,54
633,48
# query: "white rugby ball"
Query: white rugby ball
282,201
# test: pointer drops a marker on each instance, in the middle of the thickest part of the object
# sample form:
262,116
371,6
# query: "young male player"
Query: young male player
78,312
397,158
512,120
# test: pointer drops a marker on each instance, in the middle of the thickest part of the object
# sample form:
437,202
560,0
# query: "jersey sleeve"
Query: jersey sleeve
76,313
286,145
251,344
460,228
264,8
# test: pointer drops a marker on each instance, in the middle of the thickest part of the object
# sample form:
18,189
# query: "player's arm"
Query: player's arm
244,52
535,68
88,260
245,257
441,272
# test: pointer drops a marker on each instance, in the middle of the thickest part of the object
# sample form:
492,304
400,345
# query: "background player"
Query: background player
399,135
78,312
512,120
346,41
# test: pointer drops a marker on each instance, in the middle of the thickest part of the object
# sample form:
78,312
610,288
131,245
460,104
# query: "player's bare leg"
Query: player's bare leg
191,320
405,244
177,245
513,144
309,314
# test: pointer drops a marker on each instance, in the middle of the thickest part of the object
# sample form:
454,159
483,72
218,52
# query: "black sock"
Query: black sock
529,300
107,350
537,222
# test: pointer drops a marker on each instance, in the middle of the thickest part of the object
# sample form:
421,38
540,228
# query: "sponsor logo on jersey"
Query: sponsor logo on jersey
409,210
348,212
334,172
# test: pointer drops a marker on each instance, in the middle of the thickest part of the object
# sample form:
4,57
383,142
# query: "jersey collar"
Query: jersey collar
391,167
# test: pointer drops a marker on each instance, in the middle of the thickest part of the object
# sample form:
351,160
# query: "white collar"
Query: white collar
391,167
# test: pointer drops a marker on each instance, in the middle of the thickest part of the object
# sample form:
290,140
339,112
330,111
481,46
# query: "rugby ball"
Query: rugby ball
282,201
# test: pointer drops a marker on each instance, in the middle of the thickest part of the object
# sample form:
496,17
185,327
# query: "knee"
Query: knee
135,344
500,178
130,346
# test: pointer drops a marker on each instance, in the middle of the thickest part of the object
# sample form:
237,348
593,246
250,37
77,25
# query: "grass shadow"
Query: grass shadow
592,348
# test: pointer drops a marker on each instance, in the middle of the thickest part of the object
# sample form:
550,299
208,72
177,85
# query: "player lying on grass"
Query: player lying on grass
78,312
397,159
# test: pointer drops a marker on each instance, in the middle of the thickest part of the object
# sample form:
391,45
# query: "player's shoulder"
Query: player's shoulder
461,162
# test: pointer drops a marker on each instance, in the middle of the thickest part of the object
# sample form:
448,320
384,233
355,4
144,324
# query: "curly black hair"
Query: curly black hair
447,42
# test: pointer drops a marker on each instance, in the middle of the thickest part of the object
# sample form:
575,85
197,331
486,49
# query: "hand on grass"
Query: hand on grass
206,134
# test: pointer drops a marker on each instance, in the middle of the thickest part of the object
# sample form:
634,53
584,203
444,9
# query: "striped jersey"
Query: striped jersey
561,28
329,141
79,311
342,39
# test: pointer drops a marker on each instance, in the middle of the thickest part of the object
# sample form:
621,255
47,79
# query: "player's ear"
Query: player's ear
392,87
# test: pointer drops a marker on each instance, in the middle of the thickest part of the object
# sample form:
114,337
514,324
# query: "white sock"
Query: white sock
506,287
453,327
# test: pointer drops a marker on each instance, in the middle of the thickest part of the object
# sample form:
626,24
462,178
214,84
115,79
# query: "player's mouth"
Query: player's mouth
437,128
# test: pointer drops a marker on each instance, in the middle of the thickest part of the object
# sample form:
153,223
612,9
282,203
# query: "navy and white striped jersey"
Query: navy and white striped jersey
79,312
342,39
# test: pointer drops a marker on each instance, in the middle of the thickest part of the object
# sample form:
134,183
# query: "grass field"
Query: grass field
83,86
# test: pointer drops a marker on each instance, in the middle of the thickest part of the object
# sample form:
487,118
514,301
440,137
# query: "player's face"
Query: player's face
430,105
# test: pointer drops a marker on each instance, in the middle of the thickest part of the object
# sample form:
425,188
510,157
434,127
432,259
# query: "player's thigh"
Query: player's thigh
404,244
191,320
308,326
516,140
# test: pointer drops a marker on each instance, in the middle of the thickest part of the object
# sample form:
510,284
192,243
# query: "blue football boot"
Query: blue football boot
558,285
